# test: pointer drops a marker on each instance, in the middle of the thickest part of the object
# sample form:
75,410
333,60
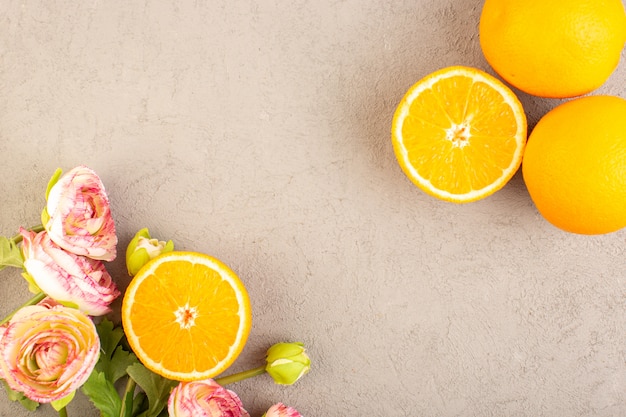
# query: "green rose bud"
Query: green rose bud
142,248
287,362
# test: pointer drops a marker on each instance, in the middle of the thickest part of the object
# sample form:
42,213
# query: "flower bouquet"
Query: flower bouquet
61,340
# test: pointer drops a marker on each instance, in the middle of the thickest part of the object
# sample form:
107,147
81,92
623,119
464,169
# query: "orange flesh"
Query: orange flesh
185,318
460,135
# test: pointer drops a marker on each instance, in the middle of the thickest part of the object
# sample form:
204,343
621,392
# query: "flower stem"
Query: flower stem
18,237
63,412
127,399
240,376
37,298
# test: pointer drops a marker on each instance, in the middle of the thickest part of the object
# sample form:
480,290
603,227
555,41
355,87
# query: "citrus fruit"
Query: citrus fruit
575,165
459,134
186,315
556,48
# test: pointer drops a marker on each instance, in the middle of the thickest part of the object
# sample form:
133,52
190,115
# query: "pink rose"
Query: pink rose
47,354
204,398
281,410
68,278
78,217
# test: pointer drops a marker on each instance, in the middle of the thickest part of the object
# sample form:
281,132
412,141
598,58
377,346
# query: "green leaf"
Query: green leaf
45,217
113,358
32,285
10,254
157,388
68,304
53,180
27,403
102,394
111,366
164,413
62,402
110,336
120,362
140,403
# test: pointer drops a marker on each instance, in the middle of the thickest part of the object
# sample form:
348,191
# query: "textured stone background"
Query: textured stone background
259,132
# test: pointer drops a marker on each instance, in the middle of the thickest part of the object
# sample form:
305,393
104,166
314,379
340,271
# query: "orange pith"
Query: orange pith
186,315
459,134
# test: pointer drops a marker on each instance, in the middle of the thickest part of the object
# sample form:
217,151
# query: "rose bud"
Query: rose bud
287,362
142,248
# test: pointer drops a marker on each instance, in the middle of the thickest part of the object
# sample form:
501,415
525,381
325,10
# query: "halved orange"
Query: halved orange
186,315
459,134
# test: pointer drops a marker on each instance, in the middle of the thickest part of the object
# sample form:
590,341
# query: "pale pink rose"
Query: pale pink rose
68,278
47,354
80,218
204,398
281,410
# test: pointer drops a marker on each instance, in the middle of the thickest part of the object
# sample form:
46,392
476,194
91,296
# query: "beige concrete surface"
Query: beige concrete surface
259,132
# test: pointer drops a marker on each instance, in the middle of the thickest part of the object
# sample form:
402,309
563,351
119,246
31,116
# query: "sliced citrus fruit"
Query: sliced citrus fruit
459,134
186,315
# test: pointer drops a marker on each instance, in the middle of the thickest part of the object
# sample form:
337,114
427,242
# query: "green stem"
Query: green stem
240,376
37,298
18,237
127,399
63,412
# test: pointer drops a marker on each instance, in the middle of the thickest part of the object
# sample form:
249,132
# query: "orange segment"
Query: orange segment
186,316
459,134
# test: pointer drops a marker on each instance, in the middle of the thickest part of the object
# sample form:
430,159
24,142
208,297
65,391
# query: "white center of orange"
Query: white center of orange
186,316
458,134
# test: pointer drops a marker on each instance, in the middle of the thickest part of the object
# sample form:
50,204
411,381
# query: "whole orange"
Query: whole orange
574,165
553,48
